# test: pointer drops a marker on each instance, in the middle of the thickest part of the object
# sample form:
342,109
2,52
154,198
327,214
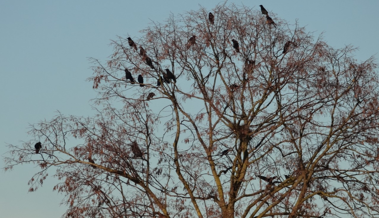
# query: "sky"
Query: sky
44,51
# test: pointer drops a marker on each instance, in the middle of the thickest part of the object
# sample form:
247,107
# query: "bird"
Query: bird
287,176
286,47
211,18
150,96
128,76
149,62
267,179
170,75
224,152
263,10
236,45
269,21
142,52
191,41
38,147
132,44
159,81
136,150
91,161
140,80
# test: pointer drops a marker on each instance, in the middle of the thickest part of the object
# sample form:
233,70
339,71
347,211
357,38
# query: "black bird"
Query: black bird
150,96
91,161
128,76
267,179
132,44
263,10
286,47
224,152
211,18
165,78
236,46
159,81
269,21
170,75
136,150
191,41
140,80
149,62
38,147
142,52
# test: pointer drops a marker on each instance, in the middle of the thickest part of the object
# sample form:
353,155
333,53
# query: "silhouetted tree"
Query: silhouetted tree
248,134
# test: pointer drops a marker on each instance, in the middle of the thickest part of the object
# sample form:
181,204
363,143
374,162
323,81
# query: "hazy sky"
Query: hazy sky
44,51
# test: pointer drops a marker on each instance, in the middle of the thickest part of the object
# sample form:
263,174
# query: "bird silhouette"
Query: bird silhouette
150,96
286,47
224,152
38,147
128,76
142,52
132,44
136,150
170,75
91,161
267,179
140,80
236,45
263,10
149,62
211,18
191,41
269,21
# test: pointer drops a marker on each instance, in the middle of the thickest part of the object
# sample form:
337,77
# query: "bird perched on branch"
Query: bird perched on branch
142,52
267,179
136,150
263,10
286,47
149,62
140,80
211,18
150,96
91,161
236,46
269,21
191,41
170,76
38,147
132,44
128,76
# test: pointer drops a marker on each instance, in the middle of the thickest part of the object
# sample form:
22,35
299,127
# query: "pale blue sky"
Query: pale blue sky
44,46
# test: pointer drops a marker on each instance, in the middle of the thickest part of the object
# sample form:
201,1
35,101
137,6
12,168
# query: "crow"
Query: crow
269,21
170,75
191,41
91,161
136,150
211,18
149,62
150,96
38,147
128,76
286,47
263,10
267,179
140,80
142,52
236,45
224,152
132,44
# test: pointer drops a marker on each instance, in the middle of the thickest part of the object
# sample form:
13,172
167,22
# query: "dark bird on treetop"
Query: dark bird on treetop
91,161
140,80
132,44
136,150
142,52
269,21
191,41
38,147
263,10
211,18
128,76
170,75
150,96
286,47
149,62
236,46
267,179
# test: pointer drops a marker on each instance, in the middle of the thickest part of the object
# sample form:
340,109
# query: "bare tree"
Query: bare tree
255,133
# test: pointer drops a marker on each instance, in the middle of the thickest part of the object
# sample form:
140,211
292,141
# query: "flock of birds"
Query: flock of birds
169,77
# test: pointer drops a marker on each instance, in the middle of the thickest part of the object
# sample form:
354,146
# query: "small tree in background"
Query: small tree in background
230,114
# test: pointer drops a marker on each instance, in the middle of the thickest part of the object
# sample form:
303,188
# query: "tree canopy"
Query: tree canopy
236,113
